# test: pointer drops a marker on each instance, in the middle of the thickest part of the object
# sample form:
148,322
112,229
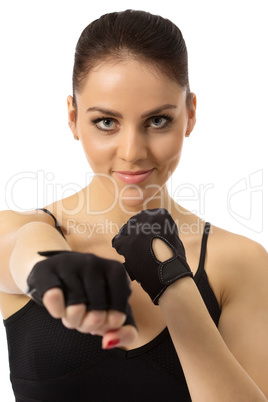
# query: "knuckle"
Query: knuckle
56,312
116,319
83,329
93,322
74,311
52,294
96,319
67,323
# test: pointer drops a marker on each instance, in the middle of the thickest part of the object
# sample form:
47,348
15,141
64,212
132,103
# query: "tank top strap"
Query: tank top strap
56,222
201,265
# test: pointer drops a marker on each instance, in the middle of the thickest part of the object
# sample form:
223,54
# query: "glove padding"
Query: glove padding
134,242
100,283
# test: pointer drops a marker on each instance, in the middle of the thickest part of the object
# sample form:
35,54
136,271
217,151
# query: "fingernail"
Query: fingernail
111,344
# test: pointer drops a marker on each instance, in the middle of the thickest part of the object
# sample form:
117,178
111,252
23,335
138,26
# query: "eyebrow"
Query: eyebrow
113,113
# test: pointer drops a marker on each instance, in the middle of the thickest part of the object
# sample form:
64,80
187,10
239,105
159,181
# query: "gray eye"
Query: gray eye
107,123
158,121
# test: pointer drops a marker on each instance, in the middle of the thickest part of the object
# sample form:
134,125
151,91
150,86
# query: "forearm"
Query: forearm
31,238
212,372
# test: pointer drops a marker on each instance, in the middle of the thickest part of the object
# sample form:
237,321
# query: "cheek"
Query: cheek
170,148
97,151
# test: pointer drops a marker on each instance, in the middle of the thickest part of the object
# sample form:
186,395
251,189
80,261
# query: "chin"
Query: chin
138,201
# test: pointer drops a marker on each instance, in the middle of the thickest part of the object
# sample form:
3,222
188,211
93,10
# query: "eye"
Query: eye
105,124
159,121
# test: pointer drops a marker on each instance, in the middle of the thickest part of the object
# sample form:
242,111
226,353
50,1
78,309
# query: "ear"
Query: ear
72,116
191,115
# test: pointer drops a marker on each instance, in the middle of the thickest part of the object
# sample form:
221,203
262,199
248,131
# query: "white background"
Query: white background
223,173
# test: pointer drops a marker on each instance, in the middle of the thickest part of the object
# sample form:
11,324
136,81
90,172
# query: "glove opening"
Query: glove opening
161,249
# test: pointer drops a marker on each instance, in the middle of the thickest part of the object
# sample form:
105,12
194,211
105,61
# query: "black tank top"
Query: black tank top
49,362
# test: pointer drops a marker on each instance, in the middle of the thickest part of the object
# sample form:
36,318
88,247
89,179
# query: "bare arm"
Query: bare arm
230,364
31,238
20,240
21,236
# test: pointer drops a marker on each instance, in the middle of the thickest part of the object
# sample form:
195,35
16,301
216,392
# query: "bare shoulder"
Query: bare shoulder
68,210
12,220
234,247
240,268
235,262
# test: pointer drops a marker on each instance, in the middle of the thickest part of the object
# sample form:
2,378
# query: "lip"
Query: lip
133,177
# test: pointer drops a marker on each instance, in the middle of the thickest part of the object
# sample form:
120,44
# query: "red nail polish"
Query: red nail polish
112,343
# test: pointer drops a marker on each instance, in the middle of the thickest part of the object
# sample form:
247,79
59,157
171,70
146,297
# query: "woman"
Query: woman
196,328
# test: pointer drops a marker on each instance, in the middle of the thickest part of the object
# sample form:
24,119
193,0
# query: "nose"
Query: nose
132,145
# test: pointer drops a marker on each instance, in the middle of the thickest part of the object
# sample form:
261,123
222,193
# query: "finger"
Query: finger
53,300
74,315
123,337
93,322
114,320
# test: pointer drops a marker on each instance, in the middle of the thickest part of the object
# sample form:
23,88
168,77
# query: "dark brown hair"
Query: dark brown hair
136,34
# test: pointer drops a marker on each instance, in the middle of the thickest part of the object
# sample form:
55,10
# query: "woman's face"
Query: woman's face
131,118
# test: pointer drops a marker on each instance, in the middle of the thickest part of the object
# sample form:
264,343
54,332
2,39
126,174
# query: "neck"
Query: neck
102,204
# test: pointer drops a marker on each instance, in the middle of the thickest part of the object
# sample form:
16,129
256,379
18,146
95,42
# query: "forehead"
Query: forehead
129,82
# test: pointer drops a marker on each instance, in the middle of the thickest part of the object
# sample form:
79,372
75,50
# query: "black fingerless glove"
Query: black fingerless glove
134,242
100,283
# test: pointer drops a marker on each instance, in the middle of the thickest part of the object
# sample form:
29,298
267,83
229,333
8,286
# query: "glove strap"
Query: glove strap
171,270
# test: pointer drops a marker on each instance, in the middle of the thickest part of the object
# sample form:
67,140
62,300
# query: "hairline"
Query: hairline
120,57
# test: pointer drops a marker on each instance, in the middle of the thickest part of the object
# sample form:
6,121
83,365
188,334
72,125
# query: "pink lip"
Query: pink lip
134,177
